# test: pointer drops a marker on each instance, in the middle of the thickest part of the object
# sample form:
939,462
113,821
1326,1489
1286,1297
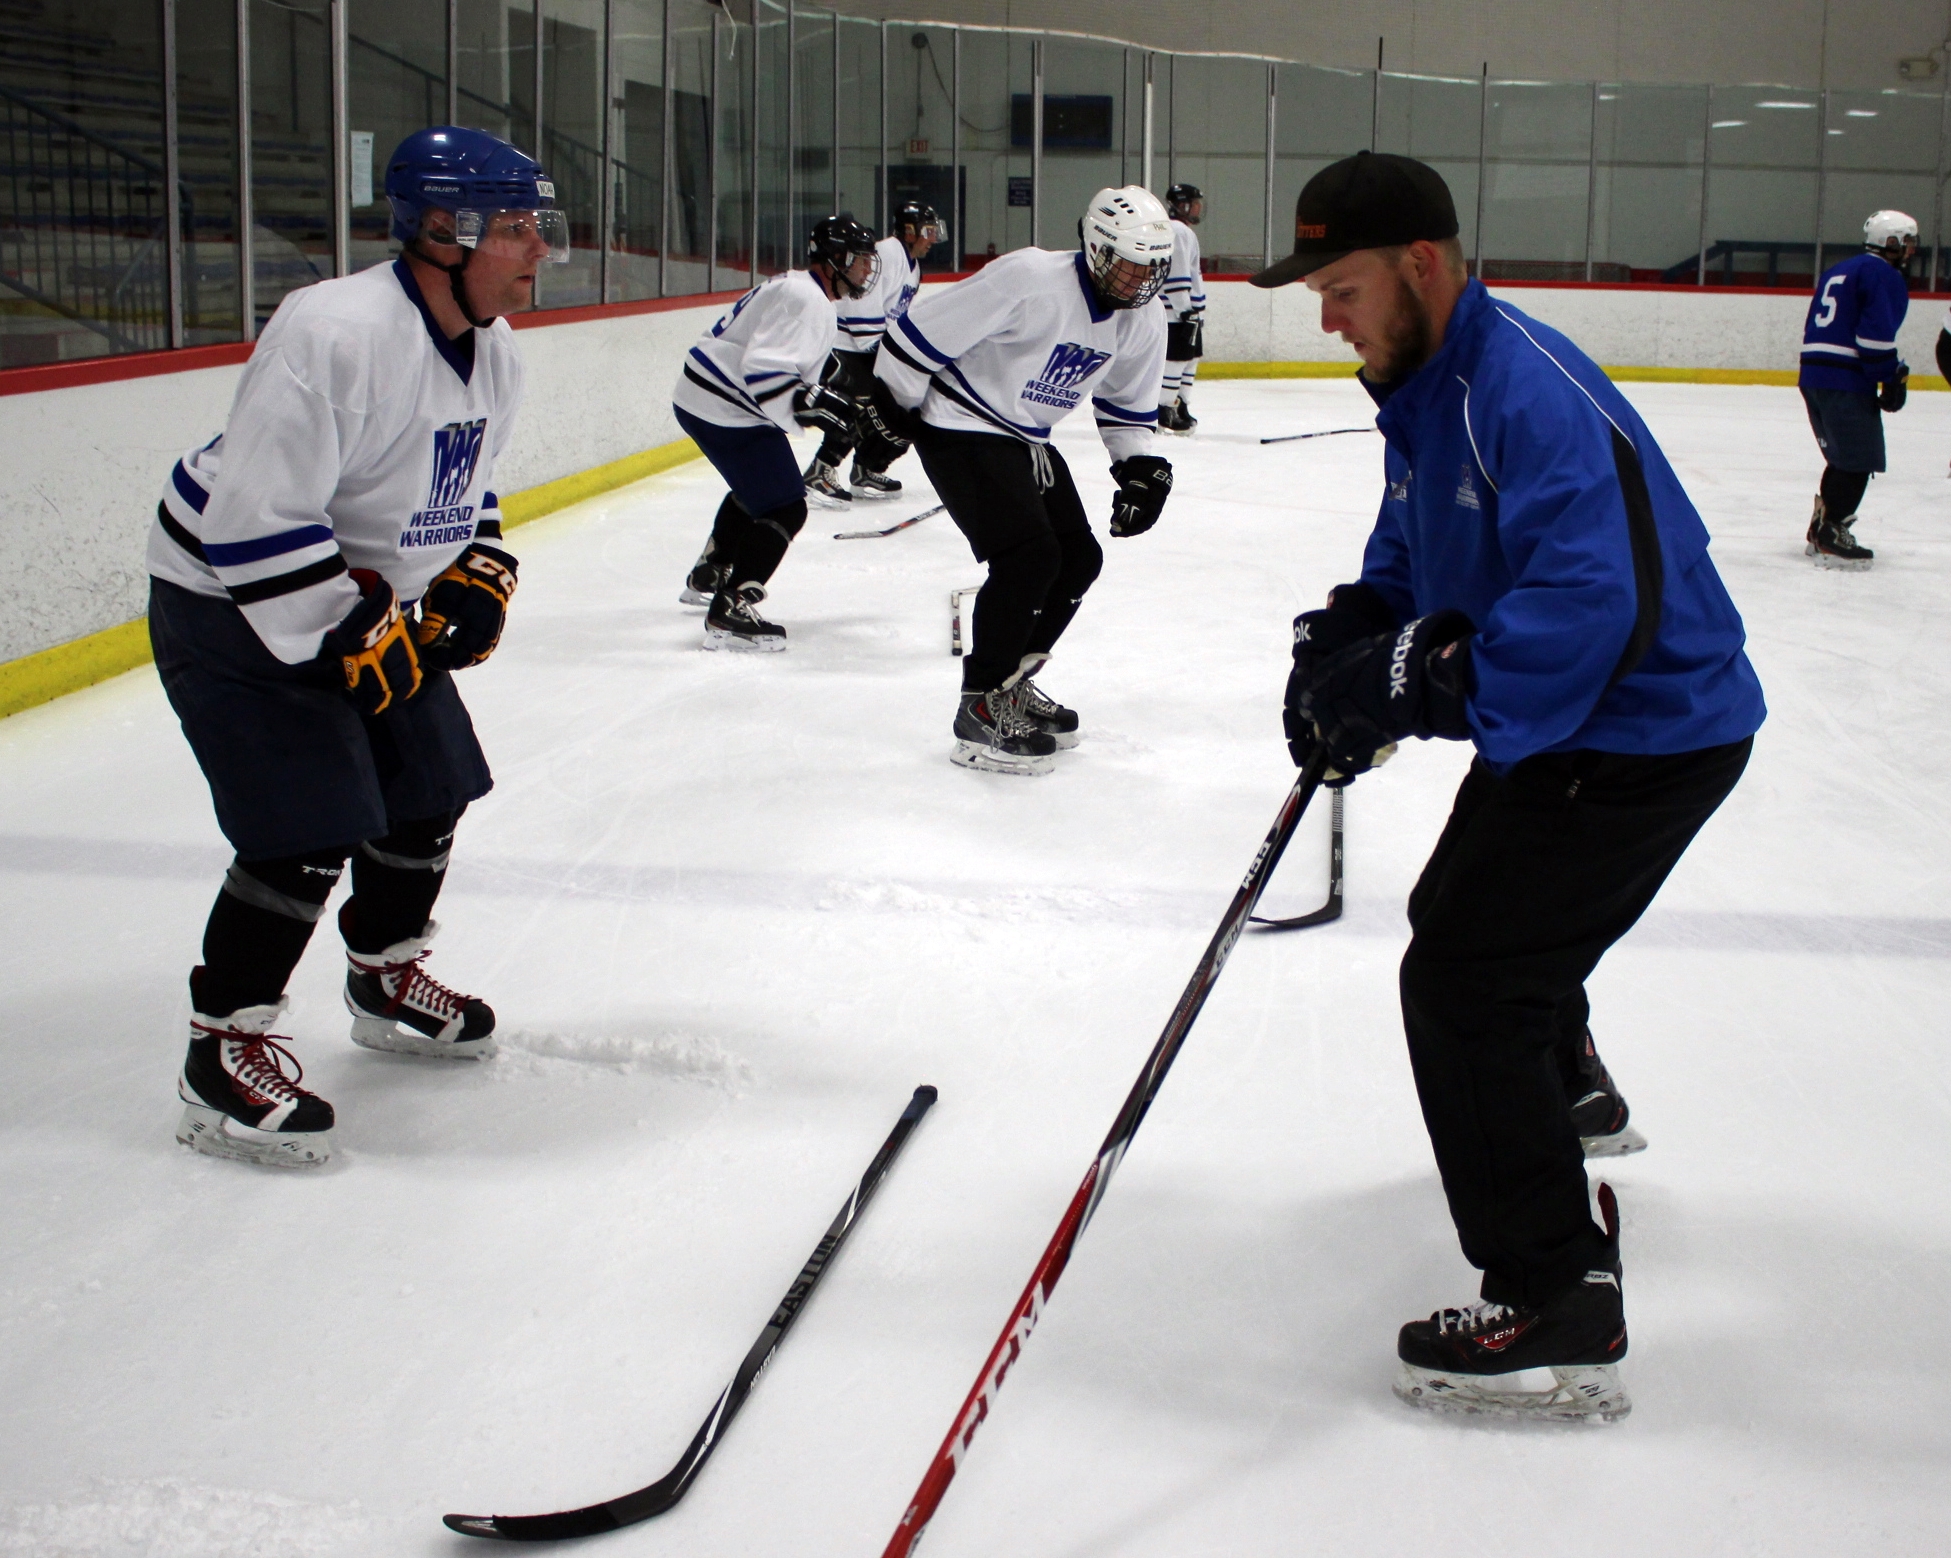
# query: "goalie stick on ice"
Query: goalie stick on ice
663,1494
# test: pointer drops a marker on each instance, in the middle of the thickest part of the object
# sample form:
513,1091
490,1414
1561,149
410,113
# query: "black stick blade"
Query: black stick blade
1331,910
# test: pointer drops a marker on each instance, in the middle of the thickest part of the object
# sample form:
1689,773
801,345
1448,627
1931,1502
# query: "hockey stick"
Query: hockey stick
1097,1179
664,1493
1331,910
955,598
869,535
1333,432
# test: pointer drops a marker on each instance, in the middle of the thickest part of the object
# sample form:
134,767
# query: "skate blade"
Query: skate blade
690,597
987,760
1841,564
382,1033
718,638
215,1134
1578,1394
828,500
1616,1145
875,494
1066,739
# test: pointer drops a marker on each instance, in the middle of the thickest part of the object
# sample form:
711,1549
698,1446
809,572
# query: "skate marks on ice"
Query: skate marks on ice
678,1055
171,1515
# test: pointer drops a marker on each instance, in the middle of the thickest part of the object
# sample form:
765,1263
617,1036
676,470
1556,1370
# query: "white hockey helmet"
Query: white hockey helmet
1889,229
1127,245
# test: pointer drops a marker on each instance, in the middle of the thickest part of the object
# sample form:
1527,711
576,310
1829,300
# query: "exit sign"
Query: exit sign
917,148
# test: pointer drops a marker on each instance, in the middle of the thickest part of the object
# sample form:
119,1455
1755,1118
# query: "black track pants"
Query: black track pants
1041,554
1537,873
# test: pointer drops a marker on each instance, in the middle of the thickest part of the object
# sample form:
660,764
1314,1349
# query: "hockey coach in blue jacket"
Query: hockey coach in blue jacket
1537,583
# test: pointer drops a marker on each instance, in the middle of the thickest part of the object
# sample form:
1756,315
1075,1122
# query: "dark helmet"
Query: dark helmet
923,218
835,241
1179,201
451,169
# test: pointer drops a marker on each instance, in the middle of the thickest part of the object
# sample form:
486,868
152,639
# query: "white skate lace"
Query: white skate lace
257,1064
1480,1316
413,986
1006,709
1036,700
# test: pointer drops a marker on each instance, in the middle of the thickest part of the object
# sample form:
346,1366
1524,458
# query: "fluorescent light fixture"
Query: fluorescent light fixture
1729,124
1773,103
1859,113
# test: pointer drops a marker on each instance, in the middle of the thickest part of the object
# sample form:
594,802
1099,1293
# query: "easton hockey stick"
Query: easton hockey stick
664,1493
1331,910
1333,432
869,535
1097,1179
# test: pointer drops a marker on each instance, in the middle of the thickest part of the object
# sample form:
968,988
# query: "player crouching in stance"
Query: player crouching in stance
751,377
1537,583
286,557
1851,375
976,374
861,322
1184,298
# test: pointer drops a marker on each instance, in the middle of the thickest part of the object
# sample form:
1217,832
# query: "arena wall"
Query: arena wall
85,460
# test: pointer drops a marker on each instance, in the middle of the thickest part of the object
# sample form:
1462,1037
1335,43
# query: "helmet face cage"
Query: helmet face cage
848,275
1124,283
924,221
514,233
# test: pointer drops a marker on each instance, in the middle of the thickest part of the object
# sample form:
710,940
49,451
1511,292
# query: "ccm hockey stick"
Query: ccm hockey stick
1097,1179
1331,910
664,1493
869,535
1333,432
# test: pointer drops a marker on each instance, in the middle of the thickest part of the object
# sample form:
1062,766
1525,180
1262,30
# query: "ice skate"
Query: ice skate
1833,544
993,735
872,484
396,1006
824,488
238,1100
1168,417
1598,1110
1183,421
733,622
705,580
1473,1360
1048,715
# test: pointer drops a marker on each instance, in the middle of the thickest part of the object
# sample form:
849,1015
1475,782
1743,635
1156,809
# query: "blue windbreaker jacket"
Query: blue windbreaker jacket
1849,341
1526,493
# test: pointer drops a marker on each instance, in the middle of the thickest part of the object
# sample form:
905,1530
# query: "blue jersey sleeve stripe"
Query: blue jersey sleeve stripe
1124,414
186,485
232,554
906,325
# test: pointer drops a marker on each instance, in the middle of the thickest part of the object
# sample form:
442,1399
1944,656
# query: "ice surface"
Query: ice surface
731,910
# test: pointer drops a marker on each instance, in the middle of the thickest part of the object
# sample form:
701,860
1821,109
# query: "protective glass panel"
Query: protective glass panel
396,83
291,149
1646,199
1882,154
206,132
1538,175
1084,109
1761,187
572,145
1438,120
1219,142
636,149
689,241
492,46
857,153
815,169
920,134
736,55
1320,116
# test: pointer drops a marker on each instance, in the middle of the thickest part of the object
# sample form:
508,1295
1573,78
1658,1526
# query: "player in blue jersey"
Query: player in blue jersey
1538,584
1851,375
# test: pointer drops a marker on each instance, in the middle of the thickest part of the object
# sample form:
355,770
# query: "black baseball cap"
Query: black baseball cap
1372,200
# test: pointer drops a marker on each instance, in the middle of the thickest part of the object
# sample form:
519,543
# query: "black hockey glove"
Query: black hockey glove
372,649
1144,483
878,445
1415,682
1354,612
893,419
1185,339
462,613
1892,393
828,410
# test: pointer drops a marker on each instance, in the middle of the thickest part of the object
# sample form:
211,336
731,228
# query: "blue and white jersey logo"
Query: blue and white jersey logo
1466,489
1069,367
446,520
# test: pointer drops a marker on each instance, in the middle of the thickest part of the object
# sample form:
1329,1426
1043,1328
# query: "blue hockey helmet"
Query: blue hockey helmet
473,175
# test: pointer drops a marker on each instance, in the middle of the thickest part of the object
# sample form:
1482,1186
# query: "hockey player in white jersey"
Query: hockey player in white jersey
751,377
860,323
1184,298
287,558
976,374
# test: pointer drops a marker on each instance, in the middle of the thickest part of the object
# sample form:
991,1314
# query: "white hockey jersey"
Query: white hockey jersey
1019,345
744,369
360,437
862,321
1185,292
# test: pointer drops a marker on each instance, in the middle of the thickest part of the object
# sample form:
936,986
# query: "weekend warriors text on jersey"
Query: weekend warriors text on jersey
1021,344
360,437
772,341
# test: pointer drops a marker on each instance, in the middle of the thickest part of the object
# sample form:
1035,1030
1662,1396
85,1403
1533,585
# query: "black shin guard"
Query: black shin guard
1083,560
762,547
1842,492
259,927
395,881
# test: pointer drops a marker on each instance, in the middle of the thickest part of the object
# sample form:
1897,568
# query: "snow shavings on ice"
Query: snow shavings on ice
688,1057
182,1518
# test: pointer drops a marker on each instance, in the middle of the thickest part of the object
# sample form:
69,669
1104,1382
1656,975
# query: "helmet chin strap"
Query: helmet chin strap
455,283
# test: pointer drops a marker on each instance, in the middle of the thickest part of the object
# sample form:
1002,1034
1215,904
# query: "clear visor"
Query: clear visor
521,235
1128,283
935,230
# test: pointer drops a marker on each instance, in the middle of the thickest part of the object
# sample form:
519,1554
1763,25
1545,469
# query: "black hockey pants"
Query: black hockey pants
1041,554
1537,873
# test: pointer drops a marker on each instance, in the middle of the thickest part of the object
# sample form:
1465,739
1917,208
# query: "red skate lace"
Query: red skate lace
413,981
258,1064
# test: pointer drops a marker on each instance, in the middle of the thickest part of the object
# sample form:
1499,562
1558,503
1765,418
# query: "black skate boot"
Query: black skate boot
1183,421
705,580
1465,1360
733,622
1048,715
872,484
993,734
1833,544
396,1006
238,1101
1598,1110
824,488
